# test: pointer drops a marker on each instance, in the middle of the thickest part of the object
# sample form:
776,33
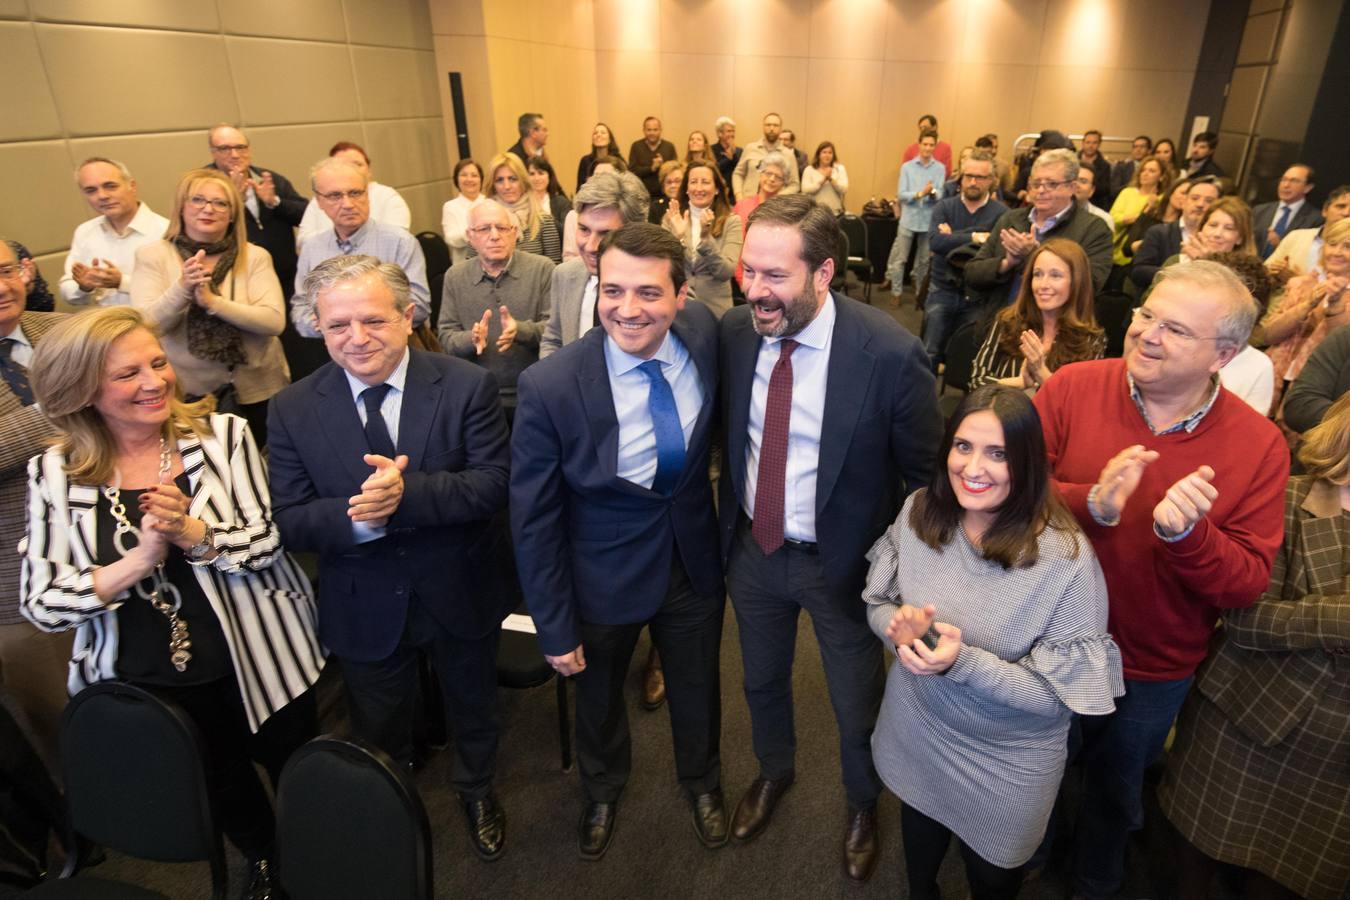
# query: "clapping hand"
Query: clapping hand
98,274
1017,245
508,335
910,624
1033,351
479,333
1119,478
266,189
1186,502
674,221
381,493
919,660
1194,247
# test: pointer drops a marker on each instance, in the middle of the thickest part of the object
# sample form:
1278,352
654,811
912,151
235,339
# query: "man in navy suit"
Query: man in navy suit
1165,240
831,419
389,462
613,518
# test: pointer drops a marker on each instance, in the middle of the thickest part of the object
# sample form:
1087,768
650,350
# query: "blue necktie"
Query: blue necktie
1282,223
377,431
666,424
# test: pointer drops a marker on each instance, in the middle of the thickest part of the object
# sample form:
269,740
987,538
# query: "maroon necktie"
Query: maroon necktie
770,486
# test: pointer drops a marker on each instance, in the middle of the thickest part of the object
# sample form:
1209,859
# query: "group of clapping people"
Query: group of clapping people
1054,561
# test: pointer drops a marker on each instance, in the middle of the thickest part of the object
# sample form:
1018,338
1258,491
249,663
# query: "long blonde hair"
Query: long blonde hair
67,375
1325,451
237,232
530,227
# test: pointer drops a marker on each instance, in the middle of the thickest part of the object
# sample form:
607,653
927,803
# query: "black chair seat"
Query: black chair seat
82,888
520,662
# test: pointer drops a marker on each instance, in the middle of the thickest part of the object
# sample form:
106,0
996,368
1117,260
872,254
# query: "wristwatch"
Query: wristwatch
197,552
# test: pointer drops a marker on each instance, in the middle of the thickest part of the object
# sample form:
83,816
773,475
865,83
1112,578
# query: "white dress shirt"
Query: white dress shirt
588,300
386,205
392,411
97,239
631,388
810,372
22,351
455,225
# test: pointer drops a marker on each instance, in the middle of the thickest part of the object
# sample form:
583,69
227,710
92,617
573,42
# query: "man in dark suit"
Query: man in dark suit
613,519
1201,161
1164,241
389,463
1272,221
831,419
273,209
533,136
1123,170
32,664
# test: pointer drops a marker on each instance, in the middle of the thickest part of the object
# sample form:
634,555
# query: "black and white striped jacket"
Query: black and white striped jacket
264,602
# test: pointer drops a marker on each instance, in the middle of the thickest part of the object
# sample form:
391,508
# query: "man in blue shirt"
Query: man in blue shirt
957,222
918,191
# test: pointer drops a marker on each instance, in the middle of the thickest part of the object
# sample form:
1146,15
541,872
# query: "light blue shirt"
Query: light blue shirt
22,351
392,410
810,372
630,389
915,212
387,243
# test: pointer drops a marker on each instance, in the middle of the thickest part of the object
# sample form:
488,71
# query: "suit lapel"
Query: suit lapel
740,376
341,424
846,384
593,384
421,402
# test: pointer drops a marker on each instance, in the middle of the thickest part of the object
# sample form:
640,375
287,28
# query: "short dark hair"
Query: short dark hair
821,237
815,160
1145,138
647,241
985,140
540,164
928,117
1337,193
928,133
1312,173
1093,131
655,119
464,164
525,124
1032,505
1207,137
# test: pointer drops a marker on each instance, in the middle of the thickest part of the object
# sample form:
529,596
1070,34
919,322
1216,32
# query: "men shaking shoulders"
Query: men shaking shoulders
831,419
612,514
389,463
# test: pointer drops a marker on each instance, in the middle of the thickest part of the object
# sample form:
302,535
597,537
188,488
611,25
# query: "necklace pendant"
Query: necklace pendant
180,659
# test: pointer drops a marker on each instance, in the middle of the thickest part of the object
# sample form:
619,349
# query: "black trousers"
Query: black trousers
687,631
238,798
769,594
382,695
926,842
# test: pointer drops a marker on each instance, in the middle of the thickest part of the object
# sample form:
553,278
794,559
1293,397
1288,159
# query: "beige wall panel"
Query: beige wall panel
168,14
1155,107
41,206
513,92
766,84
392,23
569,104
1260,6
52,265
156,160
1161,34
292,149
1244,95
849,29
30,110
569,25
624,101
1010,31
909,90
695,90
425,202
161,84
319,20
408,151
639,24
468,56
843,105
504,20
926,30
1080,31
1073,98
1258,39
13,9
457,17
394,83
284,82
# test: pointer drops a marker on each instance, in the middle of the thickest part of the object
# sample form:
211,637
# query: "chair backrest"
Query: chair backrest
959,356
350,824
134,777
855,232
437,255
1112,309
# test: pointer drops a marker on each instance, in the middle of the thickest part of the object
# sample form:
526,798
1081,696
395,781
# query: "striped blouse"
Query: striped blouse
992,363
264,602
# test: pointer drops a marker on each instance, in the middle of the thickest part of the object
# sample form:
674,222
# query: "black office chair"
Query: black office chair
132,765
521,665
1113,309
959,356
350,824
437,255
855,232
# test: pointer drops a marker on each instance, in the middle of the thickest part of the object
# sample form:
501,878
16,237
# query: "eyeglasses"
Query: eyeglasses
483,230
199,202
1170,330
229,148
337,196
338,329
11,270
1044,185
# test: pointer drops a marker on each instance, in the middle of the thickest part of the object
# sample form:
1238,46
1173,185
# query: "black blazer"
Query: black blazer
878,442
273,229
1161,243
591,546
437,545
1263,219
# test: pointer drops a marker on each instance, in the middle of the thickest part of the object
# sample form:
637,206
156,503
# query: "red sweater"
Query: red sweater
1165,597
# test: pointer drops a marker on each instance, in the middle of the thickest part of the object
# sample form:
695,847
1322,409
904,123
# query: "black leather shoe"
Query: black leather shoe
263,883
710,819
487,826
596,829
861,844
756,806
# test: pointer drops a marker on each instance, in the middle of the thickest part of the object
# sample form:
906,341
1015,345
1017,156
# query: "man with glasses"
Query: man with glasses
1292,211
958,222
273,209
997,269
1300,251
341,189
1179,485
389,464
494,306
1165,240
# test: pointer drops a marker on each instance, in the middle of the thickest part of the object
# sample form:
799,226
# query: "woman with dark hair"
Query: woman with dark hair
386,204
40,297
1259,776
545,190
1051,323
825,179
994,605
455,212
710,232
1166,150
603,149
698,149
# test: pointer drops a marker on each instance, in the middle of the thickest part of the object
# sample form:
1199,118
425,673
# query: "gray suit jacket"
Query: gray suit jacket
569,284
1309,215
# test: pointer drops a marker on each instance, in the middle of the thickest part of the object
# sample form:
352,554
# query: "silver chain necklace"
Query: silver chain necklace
162,593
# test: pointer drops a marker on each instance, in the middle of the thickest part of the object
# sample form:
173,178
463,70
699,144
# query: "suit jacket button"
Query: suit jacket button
400,591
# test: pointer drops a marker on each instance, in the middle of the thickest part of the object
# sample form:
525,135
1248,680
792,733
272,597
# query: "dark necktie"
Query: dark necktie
1282,223
666,425
15,375
345,246
770,484
377,432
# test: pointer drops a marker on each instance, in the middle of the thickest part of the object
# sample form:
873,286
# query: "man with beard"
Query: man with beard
831,419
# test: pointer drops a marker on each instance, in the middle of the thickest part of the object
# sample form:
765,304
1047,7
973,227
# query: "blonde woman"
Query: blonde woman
509,185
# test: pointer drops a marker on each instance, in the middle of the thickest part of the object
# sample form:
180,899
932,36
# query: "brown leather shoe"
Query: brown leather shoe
653,683
756,806
861,844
